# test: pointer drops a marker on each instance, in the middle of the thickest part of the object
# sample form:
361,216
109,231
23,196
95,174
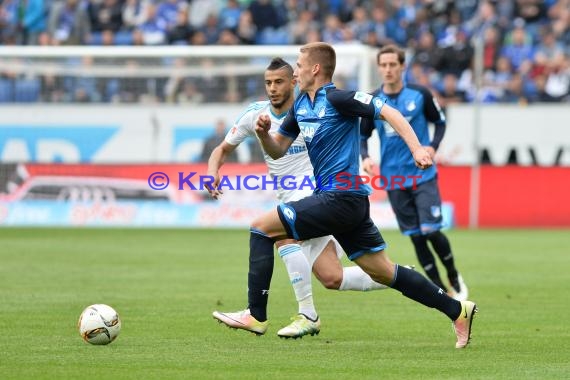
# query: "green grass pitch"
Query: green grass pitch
166,283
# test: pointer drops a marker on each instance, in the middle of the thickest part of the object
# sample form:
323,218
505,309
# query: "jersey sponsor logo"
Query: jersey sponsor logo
308,130
302,111
294,149
362,97
388,129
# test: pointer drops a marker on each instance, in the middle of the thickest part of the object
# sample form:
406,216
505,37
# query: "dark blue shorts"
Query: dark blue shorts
418,210
345,216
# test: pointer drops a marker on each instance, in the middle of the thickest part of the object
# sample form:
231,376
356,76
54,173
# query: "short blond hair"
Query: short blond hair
323,54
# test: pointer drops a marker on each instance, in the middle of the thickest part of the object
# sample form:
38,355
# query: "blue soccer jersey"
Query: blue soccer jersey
419,107
330,127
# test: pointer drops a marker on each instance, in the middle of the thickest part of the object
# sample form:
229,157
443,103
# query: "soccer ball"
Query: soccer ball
99,324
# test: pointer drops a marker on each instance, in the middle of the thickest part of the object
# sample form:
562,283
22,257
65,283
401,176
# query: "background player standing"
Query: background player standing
418,205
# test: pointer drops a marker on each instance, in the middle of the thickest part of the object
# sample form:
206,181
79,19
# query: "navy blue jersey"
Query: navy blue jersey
330,127
419,107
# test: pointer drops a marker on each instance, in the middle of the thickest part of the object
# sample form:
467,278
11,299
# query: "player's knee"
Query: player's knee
418,239
331,280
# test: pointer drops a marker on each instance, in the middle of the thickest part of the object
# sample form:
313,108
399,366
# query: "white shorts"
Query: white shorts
311,248
314,247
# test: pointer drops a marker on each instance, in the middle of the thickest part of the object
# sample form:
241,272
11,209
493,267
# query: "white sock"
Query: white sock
299,271
354,278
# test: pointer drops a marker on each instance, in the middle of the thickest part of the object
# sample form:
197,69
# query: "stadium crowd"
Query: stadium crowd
526,43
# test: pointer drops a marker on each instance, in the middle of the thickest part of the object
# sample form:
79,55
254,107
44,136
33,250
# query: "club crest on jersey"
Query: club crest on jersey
322,112
378,103
362,97
435,211
410,105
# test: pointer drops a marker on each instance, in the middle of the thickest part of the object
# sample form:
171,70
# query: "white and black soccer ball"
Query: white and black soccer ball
99,324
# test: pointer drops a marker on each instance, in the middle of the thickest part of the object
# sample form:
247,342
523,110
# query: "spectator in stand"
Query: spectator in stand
548,49
200,10
378,34
398,25
246,30
175,81
68,23
542,95
426,53
491,48
449,93
345,10
198,38
360,24
518,46
544,26
500,78
299,27
466,8
83,88
314,35
560,15
181,32
229,15
457,57
264,15
189,94
486,17
168,11
152,31
533,13
213,86
10,22
227,37
135,13
558,80
332,32
515,91
34,21
106,17
211,30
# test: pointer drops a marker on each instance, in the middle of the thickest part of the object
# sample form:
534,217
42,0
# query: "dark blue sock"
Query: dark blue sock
426,259
260,272
441,246
415,286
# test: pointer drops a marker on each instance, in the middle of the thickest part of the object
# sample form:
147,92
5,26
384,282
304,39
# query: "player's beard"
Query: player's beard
284,100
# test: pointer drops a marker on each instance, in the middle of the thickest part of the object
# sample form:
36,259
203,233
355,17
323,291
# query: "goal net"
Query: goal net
171,74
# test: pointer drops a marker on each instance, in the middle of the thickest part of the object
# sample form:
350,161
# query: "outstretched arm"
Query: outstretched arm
215,162
351,103
404,129
275,145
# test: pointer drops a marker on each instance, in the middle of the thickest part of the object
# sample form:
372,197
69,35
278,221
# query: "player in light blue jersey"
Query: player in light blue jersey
417,204
321,254
328,120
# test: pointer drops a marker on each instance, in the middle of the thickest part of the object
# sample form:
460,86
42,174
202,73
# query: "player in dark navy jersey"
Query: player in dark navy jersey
328,120
417,204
